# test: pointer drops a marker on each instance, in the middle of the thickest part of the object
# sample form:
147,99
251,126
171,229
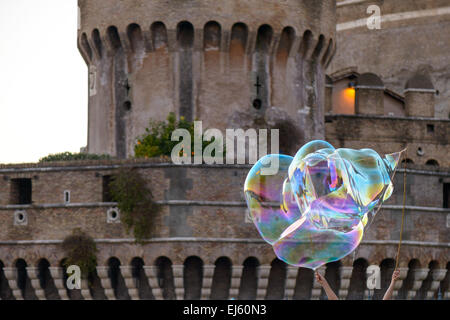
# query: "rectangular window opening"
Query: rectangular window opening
66,196
107,196
447,195
20,191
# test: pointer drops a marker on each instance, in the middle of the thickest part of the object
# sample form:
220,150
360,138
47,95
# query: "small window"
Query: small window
430,128
67,196
447,195
107,197
113,215
20,218
257,103
20,191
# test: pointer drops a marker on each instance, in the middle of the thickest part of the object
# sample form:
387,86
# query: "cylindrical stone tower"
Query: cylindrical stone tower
231,64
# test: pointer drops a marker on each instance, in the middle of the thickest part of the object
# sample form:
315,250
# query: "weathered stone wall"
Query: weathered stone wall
413,37
203,216
198,201
391,134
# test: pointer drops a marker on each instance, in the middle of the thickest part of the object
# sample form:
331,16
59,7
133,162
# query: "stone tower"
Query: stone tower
231,64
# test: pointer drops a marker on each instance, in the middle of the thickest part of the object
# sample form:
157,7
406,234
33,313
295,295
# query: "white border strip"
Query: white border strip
419,90
192,203
347,2
394,17
227,240
370,87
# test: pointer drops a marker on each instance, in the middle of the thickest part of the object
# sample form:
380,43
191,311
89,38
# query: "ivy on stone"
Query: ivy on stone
135,202
80,250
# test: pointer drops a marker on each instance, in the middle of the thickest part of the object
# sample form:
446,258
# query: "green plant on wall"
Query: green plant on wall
80,250
135,202
156,142
69,156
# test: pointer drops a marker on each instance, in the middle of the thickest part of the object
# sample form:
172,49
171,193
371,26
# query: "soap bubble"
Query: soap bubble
315,208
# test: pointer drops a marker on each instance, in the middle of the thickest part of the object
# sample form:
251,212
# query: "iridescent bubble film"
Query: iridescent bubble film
315,207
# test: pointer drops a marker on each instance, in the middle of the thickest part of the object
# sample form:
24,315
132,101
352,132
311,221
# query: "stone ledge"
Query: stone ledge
383,117
227,240
107,165
200,203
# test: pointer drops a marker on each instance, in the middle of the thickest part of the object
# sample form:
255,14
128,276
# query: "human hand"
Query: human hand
321,280
395,275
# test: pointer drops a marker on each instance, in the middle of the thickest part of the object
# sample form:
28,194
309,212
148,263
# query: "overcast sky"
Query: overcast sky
43,80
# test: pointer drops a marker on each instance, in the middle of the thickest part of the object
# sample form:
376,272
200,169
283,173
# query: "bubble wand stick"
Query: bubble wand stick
403,209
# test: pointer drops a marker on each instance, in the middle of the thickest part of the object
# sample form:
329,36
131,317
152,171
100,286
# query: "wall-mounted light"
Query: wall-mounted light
349,95
351,84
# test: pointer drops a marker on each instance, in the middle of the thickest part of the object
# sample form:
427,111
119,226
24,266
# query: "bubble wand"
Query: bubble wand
403,209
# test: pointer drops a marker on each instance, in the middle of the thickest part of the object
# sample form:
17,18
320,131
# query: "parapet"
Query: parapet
419,96
115,20
369,94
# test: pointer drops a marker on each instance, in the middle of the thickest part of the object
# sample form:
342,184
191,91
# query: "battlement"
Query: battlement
161,19
206,26
280,41
283,43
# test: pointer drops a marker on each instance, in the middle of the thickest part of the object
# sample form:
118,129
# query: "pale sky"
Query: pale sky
43,80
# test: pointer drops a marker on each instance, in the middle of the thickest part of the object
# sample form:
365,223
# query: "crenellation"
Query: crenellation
113,38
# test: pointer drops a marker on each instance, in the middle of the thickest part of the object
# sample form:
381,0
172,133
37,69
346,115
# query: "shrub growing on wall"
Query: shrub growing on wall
69,156
80,250
156,142
135,202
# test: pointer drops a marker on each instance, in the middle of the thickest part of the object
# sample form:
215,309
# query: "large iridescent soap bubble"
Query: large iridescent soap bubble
315,207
